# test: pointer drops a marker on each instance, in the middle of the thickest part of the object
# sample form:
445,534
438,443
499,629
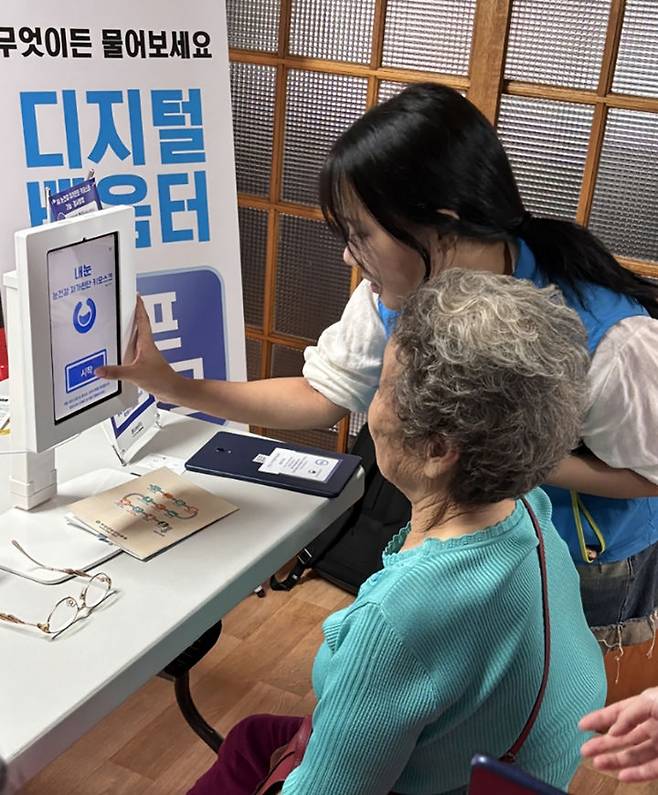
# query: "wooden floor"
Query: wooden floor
262,663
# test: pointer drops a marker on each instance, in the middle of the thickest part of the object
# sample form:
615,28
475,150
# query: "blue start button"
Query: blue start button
81,372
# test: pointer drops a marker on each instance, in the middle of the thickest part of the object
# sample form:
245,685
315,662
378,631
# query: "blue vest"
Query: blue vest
627,526
389,317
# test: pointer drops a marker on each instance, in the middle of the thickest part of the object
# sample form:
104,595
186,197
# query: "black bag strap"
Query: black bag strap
304,558
510,755
307,556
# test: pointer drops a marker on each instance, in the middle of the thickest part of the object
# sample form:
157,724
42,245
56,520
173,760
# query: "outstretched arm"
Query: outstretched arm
589,475
619,427
287,403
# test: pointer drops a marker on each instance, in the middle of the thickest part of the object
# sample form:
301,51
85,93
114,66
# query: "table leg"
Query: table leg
192,715
178,671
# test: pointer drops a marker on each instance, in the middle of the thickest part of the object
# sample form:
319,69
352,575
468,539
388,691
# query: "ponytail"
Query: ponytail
567,254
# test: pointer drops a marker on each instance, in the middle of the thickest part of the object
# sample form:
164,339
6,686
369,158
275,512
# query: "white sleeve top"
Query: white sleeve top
346,363
621,425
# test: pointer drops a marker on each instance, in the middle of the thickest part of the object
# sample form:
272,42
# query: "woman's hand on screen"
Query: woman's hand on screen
146,367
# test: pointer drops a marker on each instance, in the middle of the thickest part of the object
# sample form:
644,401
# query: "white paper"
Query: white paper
73,520
292,463
130,430
156,461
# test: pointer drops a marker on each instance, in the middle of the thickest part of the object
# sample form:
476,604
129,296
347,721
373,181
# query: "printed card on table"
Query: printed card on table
283,461
152,512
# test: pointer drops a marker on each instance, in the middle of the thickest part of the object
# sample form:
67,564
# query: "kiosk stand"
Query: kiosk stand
33,475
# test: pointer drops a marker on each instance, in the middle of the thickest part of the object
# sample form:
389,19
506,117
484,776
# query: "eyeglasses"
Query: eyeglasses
67,610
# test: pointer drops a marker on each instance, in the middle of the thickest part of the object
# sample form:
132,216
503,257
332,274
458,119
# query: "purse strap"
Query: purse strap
510,755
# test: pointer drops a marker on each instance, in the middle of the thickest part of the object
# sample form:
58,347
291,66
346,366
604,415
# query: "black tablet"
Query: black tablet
305,469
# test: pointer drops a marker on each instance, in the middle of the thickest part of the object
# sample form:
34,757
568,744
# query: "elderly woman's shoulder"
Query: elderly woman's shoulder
451,598
540,503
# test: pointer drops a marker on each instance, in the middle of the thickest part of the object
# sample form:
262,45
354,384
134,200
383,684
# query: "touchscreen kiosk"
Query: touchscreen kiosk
70,309
75,295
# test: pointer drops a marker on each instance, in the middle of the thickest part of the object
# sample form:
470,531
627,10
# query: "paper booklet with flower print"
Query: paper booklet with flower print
150,513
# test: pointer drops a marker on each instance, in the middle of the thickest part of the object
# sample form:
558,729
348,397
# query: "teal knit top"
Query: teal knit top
441,656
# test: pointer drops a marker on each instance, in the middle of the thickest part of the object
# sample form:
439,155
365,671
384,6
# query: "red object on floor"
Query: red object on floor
4,362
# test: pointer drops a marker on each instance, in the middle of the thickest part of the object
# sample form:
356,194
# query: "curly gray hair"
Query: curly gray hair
496,369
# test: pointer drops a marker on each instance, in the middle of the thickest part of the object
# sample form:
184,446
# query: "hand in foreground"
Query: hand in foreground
147,367
629,737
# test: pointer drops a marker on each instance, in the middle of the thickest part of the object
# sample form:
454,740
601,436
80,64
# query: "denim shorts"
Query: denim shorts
620,599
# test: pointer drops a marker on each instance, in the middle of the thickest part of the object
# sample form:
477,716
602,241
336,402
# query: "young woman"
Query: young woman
417,185
441,654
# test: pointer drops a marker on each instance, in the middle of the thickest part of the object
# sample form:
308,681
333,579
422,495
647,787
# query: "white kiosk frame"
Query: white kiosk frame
34,431
28,324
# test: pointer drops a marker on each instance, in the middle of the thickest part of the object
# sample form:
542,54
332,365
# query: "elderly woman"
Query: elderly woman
441,655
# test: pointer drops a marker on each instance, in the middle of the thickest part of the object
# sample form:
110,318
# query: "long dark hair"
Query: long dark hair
430,149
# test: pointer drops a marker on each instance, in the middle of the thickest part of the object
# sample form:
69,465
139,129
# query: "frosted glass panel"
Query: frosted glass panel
389,88
357,420
312,283
320,106
253,24
558,43
253,242
338,30
286,362
253,359
429,34
546,143
637,62
625,208
252,97
326,440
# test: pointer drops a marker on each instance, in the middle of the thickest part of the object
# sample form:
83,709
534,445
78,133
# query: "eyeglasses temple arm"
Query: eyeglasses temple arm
74,572
15,620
